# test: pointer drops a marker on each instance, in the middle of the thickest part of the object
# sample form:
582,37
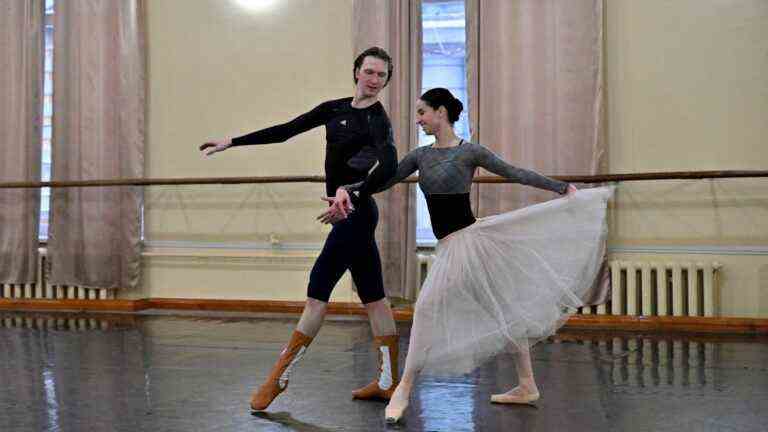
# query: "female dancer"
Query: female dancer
500,283
359,136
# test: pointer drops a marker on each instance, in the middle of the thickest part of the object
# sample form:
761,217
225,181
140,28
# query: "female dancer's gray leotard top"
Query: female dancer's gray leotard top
445,177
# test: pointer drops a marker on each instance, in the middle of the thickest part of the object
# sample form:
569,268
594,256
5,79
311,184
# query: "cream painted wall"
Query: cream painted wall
686,89
687,84
218,69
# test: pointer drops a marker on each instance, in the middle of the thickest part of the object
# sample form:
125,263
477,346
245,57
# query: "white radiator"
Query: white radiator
424,262
647,288
661,288
43,290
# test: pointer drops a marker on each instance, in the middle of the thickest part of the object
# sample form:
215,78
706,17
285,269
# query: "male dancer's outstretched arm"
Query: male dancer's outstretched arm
274,134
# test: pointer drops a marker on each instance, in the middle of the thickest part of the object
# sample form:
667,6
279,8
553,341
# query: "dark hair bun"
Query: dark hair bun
438,97
456,110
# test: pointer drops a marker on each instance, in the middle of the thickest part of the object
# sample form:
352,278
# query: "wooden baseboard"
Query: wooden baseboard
704,325
72,305
592,335
669,324
259,306
262,306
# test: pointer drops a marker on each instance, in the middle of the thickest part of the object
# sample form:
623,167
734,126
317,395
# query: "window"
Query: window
45,175
444,53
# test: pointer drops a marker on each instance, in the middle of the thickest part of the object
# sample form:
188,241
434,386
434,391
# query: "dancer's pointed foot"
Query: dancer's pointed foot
518,395
397,405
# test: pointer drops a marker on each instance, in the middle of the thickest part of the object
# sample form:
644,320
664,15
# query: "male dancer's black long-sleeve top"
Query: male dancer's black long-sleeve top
357,138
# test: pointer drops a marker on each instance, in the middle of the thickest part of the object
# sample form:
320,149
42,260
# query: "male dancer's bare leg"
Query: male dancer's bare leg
312,317
381,318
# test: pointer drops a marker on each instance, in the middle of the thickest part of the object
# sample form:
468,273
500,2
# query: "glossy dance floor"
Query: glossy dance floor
63,372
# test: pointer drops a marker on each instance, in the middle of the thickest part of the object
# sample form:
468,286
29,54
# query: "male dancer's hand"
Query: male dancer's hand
332,215
210,147
341,206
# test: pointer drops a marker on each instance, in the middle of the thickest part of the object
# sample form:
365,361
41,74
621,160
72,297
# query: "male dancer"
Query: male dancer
359,148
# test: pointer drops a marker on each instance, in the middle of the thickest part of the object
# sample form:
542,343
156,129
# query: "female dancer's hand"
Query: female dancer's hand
210,147
571,190
340,207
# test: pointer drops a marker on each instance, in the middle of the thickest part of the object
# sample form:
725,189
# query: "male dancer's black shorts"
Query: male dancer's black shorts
351,245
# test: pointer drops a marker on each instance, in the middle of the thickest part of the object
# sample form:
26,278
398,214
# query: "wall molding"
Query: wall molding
160,245
665,249
692,249
252,260
239,246
296,256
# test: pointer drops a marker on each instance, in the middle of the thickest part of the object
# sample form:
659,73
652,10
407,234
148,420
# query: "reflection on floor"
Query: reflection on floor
153,372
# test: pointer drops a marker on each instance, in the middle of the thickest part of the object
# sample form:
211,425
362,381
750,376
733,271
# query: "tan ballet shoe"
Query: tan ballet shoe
383,386
515,396
277,381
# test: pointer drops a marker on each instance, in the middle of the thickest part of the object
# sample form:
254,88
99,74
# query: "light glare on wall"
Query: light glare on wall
255,5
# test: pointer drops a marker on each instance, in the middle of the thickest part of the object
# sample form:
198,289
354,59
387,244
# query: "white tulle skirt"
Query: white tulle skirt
506,282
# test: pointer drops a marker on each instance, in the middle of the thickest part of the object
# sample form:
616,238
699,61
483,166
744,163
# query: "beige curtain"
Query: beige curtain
99,106
21,89
395,25
536,90
536,95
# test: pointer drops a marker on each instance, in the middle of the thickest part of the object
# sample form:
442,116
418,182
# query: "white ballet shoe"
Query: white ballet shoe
395,408
394,414
515,396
